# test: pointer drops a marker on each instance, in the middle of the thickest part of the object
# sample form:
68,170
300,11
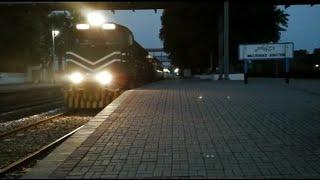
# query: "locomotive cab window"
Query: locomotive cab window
98,37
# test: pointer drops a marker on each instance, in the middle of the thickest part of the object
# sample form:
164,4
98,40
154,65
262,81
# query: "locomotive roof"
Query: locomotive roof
122,27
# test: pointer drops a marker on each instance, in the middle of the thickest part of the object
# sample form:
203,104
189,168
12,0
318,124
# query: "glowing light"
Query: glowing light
95,18
76,77
317,65
109,26
166,70
103,77
176,70
55,33
83,26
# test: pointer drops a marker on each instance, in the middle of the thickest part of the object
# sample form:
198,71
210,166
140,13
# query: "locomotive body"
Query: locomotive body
104,62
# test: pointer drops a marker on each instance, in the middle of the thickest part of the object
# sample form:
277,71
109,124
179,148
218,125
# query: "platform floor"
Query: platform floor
197,129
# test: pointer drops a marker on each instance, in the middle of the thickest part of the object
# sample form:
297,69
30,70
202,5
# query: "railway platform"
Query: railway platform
197,129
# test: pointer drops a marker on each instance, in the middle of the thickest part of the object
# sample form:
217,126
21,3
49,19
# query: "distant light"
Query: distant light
83,26
55,33
200,97
317,65
95,18
149,56
176,70
109,26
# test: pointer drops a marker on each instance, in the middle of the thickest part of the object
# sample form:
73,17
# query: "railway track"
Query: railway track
27,111
26,106
36,105
15,105
22,145
10,101
30,125
23,142
35,154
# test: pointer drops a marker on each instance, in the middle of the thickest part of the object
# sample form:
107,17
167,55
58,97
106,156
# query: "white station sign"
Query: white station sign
265,51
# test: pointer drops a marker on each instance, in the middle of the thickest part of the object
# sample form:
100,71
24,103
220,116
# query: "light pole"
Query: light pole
54,33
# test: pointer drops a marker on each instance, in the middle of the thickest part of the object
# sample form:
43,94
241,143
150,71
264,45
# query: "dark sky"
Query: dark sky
144,24
303,29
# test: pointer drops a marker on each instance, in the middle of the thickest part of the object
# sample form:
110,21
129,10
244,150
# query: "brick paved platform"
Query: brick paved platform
197,129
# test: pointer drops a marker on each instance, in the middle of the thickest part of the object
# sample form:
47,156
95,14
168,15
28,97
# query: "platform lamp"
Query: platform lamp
54,34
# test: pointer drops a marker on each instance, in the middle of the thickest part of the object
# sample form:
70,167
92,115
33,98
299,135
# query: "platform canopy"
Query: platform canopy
124,5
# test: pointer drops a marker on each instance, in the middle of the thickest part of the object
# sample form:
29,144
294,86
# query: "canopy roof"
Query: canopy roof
126,5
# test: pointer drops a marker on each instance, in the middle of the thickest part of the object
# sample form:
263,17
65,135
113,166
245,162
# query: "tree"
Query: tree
190,32
188,35
63,21
20,40
26,37
316,51
300,53
259,22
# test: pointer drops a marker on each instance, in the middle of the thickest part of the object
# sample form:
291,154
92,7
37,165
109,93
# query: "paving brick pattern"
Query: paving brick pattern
204,129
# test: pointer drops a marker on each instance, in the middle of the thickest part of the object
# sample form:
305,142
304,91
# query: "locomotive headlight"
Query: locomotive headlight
108,26
103,77
76,77
82,26
95,18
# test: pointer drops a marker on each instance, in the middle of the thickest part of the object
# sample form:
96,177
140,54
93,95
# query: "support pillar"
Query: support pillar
211,61
226,38
223,44
220,45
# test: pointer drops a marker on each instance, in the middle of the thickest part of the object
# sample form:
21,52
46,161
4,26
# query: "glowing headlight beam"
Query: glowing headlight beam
166,70
103,77
76,77
55,33
109,26
82,26
95,18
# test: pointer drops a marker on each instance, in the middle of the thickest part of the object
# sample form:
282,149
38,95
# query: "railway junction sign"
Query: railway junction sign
278,51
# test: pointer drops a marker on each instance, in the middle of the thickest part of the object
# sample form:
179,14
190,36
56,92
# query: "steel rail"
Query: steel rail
36,153
30,125
14,107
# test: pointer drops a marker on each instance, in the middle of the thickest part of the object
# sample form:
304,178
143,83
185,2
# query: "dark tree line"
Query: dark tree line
26,37
190,32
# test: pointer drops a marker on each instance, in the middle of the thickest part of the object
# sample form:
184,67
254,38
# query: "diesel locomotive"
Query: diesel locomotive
104,61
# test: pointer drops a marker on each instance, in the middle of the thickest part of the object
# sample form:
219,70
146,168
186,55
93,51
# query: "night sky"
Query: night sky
303,29
144,24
